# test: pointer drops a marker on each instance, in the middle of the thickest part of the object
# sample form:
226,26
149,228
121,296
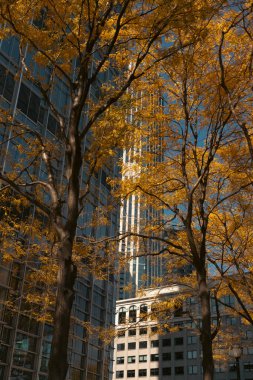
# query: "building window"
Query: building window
21,374
24,351
42,116
52,124
232,367
166,356
28,103
228,300
122,315
231,321
192,370
178,311
3,353
143,344
39,22
131,359
119,374
154,357
121,333
192,354
121,346
179,341
131,373
249,334
132,332
143,312
166,342
7,83
219,367
248,367
143,331
120,360
104,180
179,370
179,355
132,346
154,343
192,339
6,333
166,371
191,301
248,350
154,329
143,358
132,314
154,372
154,310
142,372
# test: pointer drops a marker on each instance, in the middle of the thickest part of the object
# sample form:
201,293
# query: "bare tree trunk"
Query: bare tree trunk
67,272
206,333
58,364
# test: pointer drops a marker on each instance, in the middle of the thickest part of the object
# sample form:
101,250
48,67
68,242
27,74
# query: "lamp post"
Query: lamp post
236,353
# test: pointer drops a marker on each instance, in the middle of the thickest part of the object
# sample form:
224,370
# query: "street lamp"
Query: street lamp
236,352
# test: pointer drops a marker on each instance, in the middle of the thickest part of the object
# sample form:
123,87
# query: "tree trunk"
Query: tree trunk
67,272
58,363
206,333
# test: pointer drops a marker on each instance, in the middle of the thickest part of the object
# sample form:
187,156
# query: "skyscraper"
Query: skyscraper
24,342
145,266
142,269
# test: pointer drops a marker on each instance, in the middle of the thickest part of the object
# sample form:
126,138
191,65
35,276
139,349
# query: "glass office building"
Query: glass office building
24,342
144,265
142,270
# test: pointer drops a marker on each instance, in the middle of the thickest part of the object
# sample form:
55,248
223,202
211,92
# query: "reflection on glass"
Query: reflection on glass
44,364
20,375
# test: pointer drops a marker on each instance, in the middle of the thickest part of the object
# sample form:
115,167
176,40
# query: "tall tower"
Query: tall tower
144,264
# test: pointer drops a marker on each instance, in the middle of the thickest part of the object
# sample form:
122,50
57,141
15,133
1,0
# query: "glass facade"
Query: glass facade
145,267
25,343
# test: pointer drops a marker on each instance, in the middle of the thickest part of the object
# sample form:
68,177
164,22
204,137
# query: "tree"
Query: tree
94,51
234,220
236,69
233,259
196,176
